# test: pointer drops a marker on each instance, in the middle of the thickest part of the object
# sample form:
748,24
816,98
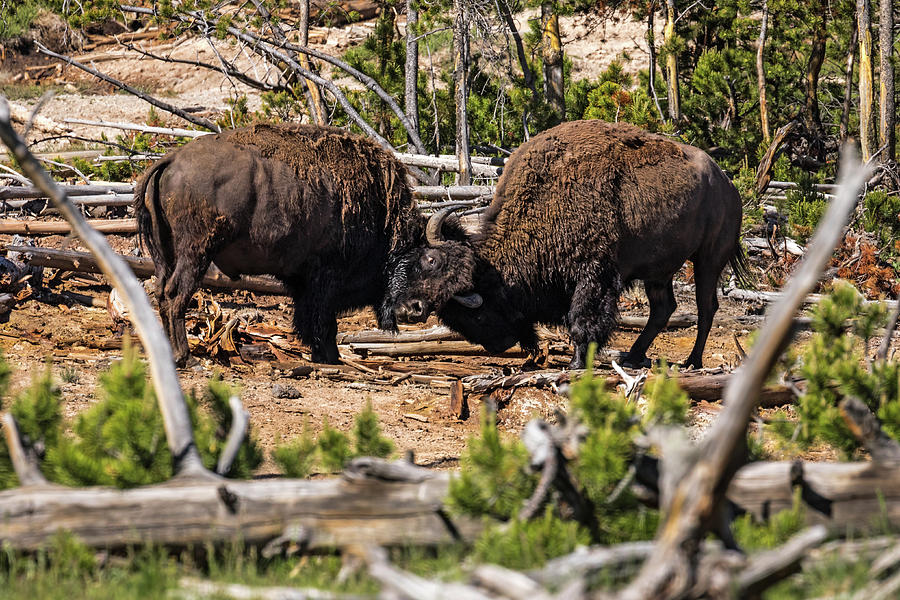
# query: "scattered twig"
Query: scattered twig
200,588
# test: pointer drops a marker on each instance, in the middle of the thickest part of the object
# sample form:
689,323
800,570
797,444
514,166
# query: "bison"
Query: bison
581,212
326,212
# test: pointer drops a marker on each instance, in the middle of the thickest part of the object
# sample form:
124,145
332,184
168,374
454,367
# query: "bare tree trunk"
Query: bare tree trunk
460,75
811,116
552,54
761,72
848,79
412,64
651,45
887,138
527,73
313,94
672,63
866,114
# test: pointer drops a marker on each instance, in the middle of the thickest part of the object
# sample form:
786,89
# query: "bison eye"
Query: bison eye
429,261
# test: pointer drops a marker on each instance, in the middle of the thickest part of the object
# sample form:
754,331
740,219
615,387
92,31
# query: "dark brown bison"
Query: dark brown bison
325,211
581,211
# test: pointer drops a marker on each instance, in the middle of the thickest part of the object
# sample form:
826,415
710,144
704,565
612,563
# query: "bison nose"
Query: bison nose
412,311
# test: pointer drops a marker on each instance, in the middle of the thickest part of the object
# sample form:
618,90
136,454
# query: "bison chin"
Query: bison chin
497,330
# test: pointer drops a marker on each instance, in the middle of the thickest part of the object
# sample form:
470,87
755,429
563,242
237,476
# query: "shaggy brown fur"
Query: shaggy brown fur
581,211
317,207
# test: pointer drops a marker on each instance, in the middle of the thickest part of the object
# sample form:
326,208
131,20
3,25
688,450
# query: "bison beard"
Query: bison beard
327,212
582,211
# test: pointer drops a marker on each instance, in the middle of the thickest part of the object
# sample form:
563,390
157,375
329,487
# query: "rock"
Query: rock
285,391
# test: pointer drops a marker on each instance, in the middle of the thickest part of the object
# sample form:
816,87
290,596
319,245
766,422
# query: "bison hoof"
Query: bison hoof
637,363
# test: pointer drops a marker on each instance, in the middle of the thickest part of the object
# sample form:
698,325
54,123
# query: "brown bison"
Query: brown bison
581,211
325,211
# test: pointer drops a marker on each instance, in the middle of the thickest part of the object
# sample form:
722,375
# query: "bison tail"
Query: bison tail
739,266
148,212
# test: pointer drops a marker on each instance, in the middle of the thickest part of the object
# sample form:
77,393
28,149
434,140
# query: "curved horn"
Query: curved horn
433,230
472,300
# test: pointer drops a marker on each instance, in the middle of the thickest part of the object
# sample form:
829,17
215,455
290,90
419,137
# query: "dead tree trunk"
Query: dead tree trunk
313,93
887,138
761,71
848,84
672,63
651,47
411,96
866,102
811,116
552,54
527,73
460,76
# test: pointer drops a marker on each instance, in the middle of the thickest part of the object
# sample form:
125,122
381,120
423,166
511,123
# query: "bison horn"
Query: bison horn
470,300
435,223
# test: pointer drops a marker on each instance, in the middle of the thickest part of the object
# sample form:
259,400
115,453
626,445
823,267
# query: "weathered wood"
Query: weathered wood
866,428
432,334
189,587
458,406
459,348
767,568
338,512
763,296
126,190
240,422
587,561
412,587
84,262
23,460
698,387
508,584
25,227
9,192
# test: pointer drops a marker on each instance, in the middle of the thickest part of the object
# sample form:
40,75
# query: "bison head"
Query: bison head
426,278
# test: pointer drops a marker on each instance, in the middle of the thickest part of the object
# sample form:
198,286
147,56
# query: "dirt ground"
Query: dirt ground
79,342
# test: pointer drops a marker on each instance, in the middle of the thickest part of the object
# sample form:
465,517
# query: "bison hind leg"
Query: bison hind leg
593,313
176,294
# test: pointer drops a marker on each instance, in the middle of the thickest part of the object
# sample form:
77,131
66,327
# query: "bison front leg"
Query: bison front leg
315,319
592,314
662,305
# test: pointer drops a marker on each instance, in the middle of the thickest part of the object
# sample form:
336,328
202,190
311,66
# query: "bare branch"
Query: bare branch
240,422
889,333
24,461
867,429
199,121
162,366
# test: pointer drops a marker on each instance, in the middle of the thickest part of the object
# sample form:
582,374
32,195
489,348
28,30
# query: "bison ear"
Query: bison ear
470,300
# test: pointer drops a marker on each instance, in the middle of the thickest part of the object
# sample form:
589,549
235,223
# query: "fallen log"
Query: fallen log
699,387
9,192
331,513
62,227
422,192
432,334
459,348
767,297
142,267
